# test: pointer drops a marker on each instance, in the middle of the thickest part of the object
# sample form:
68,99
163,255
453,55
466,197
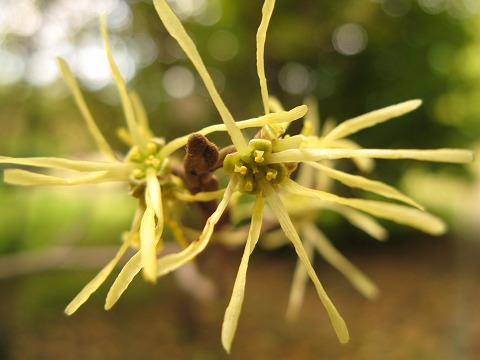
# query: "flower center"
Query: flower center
254,167
149,159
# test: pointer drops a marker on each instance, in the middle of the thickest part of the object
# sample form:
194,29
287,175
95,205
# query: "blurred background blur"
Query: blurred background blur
354,56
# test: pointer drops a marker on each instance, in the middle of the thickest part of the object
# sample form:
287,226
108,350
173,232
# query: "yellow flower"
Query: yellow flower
262,168
145,168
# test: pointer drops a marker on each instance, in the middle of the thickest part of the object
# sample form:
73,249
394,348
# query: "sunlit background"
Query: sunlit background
353,56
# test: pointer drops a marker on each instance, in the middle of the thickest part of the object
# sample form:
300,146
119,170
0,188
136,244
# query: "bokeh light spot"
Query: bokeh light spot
41,69
223,45
178,82
295,79
350,39
432,6
396,8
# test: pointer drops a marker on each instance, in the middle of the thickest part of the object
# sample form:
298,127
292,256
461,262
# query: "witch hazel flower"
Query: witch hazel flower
146,168
263,167
251,173
149,169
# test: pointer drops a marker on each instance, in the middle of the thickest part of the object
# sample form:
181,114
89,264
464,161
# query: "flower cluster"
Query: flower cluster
263,168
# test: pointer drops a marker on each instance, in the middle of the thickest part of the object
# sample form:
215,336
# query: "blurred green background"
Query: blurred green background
354,56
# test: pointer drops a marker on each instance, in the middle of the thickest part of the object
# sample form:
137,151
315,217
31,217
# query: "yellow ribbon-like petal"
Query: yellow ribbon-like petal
281,213
102,143
358,279
28,178
360,182
436,155
267,11
372,118
398,213
171,262
272,118
122,90
234,307
67,164
129,271
178,32
95,283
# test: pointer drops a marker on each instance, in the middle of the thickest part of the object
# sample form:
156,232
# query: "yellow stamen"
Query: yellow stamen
259,156
248,185
138,174
240,169
271,175
152,148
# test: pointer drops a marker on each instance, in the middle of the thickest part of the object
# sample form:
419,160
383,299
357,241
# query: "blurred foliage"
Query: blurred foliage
406,49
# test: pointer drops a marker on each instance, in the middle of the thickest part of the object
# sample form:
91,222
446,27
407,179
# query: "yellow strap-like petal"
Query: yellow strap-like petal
148,243
275,105
141,116
129,271
299,283
361,221
151,230
272,118
178,32
171,262
95,283
435,155
28,178
373,118
313,115
122,90
397,213
234,307
100,140
357,278
201,196
281,213
154,191
267,11
67,164
360,182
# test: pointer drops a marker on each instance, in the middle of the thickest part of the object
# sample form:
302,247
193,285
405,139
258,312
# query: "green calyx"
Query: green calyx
148,159
254,167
